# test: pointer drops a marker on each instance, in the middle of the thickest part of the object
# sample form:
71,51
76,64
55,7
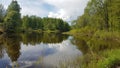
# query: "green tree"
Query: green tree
13,17
37,23
100,14
25,22
32,22
14,6
12,21
2,13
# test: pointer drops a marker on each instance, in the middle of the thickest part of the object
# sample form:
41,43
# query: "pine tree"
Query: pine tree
13,17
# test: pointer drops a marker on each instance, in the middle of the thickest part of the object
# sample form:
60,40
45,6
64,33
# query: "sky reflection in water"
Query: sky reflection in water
42,55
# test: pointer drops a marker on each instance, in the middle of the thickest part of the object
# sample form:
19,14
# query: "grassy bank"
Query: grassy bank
101,49
96,34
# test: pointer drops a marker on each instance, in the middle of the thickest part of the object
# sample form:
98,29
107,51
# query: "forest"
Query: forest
12,21
100,15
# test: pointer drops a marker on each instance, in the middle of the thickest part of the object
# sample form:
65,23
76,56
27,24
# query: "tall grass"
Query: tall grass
103,48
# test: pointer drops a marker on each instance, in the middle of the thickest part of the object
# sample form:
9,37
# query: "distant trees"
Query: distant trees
53,24
32,22
101,14
12,20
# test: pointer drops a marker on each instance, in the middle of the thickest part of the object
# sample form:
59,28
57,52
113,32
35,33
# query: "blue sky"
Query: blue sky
65,9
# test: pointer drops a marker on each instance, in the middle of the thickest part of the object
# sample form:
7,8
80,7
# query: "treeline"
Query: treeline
100,15
11,21
53,24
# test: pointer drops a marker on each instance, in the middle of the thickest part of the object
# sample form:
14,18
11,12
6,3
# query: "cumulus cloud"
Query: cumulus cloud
71,8
60,14
32,7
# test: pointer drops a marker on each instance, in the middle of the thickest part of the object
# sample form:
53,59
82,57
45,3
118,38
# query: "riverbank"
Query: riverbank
98,34
101,49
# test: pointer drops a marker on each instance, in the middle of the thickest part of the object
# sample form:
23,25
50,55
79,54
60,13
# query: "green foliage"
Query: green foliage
2,13
14,6
55,24
32,22
111,59
45,24
12,21
104,35
100,14
107,59
100,50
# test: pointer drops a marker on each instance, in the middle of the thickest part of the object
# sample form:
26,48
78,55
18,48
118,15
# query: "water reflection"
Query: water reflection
87,45
1,51
35,50
81,44
36,38
94,50
12,46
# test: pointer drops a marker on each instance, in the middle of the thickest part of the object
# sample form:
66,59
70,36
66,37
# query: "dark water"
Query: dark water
31,50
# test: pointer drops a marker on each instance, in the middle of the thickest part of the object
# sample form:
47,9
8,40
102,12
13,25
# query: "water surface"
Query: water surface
36,50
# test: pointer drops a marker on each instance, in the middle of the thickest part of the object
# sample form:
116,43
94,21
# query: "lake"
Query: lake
32,50
54,50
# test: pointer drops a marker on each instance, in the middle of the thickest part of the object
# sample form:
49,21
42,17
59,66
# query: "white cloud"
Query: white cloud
60,14
72,8
31,7
33,11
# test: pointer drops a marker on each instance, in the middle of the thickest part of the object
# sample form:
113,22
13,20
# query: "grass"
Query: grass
104,59
104,35
103,48
111,59
108,59
95,34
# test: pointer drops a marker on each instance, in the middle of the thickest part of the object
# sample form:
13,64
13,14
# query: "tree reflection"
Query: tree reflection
95,50
81,44
93,45
1,51
37,38
31,38
11,43
1,46
53,38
